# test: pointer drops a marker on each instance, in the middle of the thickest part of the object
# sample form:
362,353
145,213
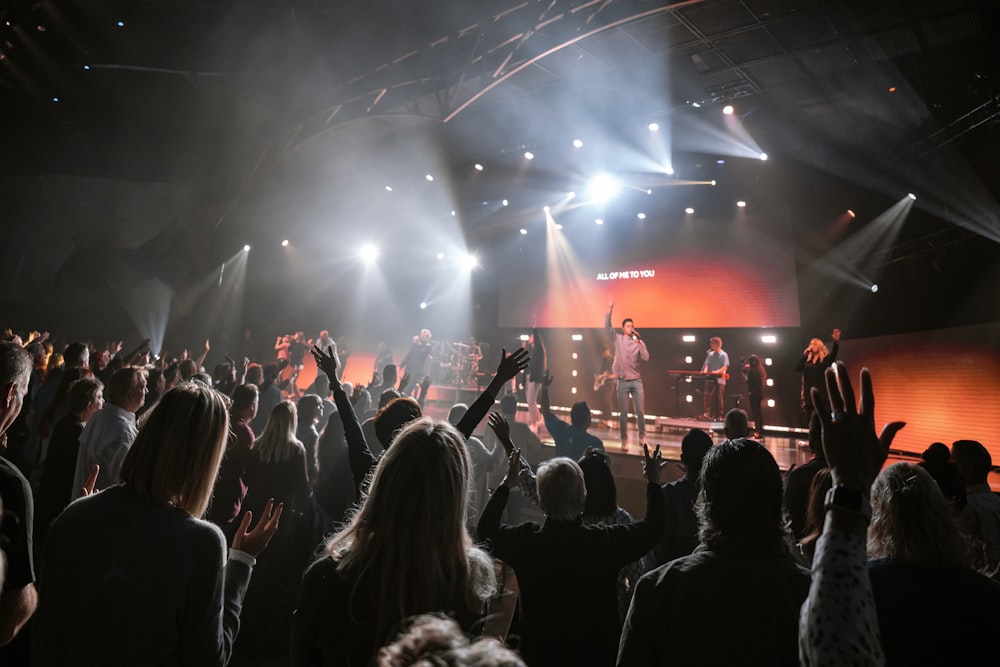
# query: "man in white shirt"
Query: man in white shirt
110,432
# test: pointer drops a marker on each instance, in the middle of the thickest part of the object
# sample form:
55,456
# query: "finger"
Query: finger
868,398
833,390
846,388
820,407
272,523
92,478
245,523
889,432
503,353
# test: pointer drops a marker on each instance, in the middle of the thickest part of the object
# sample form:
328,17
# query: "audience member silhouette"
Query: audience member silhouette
484,462
741,578
981,516
438,641
936,461
680,536
572,439
404,552
132,575
567,571
822,482
798,481
230,484
736,424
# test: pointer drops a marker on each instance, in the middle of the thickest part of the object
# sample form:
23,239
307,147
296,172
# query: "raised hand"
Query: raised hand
611,302
651,465
88,485
836,335
255,541
359,390
853,452
326,361
404,381
501,427
425,384
515,468
547,379
512,364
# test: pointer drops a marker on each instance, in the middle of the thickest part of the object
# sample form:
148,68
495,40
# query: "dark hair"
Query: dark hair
579,414
739,507
627,319
508,404
602,494
122,382
973,460
694,446
736,424
245,395
310,407
396,414
73,354
82,393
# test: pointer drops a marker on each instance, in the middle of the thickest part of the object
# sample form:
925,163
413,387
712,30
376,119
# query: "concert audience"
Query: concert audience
230,484
736,424
936,461
822,482
572,439
484,462
436,640
798,481
981,516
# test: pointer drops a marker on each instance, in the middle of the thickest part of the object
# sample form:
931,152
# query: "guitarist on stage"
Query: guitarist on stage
716,368
604,387
630,351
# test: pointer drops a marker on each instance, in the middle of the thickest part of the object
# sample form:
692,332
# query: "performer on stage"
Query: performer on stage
415,362
756,376
814,361
534,376
603,385
717,367
630,350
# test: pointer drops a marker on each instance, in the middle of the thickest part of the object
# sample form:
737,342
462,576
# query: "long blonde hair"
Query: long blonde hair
415,510
278,442
818,357
175,457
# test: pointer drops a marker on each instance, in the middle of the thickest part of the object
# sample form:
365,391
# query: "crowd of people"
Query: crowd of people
154,513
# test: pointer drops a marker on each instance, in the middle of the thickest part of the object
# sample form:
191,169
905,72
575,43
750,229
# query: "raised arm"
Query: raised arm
359,455
607,320
510,365
838,623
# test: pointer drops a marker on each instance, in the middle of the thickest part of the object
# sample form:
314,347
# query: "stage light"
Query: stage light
528,155
763,156
368,253
86,68
523,338
603,188
571,195
575,355
712,182
641,216
284,244
598,221
874,289
770,402
388,188
741,204
770,382
769,338
912,196
696,105
429,177
574,373
768,361
423,305
470,262
577,143
559,225
689,398
505,202
440,255
576,337
453,214
121,24
688,338
850,214
654,127
478,167
892,89
670,170
55,99
688,359
246,248
728,109
524,232
649,191
720,161
689,210
573,390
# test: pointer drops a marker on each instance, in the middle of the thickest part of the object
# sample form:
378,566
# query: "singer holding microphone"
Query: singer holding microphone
630,350
815,359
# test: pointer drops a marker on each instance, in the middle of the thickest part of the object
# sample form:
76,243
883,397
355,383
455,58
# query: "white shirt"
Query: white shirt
105,440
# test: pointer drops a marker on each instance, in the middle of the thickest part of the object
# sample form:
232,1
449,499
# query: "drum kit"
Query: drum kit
457,363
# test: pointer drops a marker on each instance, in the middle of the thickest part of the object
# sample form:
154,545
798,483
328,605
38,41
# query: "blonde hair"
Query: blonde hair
819,356
562,489
277,443
176,455
415,510
912,521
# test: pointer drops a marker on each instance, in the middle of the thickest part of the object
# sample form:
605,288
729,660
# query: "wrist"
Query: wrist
846,502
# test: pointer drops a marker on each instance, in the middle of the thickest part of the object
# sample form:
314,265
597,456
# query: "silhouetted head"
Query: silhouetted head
579,414
562,492
602,494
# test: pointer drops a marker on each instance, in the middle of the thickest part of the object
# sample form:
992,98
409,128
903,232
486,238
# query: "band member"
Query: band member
756,376
630,350
716,367
814,361
534,376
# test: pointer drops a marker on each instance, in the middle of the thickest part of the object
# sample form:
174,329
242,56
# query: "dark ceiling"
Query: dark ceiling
249,105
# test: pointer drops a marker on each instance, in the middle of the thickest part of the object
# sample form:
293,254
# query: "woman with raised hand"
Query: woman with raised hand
133,575
405,551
